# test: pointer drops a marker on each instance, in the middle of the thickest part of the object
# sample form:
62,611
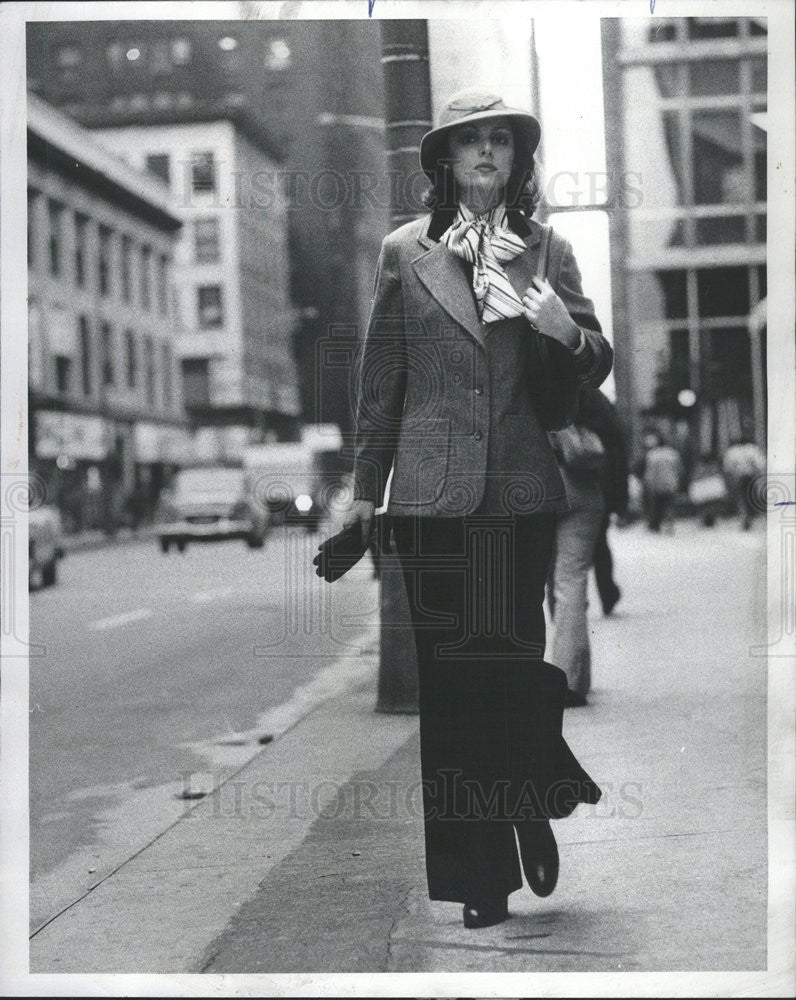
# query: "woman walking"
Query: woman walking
467,351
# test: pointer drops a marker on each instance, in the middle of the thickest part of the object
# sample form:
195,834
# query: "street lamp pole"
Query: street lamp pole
407,113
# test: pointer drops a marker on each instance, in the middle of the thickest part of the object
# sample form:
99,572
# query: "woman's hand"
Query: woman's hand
544,308
361,512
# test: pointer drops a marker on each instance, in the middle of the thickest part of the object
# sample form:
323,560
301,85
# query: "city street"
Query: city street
159,675
669,871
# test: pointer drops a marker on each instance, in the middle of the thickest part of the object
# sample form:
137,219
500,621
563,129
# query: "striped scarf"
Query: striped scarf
485,241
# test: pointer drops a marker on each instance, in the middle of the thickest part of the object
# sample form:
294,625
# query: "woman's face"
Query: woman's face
482,155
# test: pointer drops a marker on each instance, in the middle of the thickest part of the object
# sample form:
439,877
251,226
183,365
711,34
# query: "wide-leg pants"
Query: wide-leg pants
476,587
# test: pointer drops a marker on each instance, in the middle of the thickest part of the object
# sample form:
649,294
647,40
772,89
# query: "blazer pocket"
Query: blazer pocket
420,467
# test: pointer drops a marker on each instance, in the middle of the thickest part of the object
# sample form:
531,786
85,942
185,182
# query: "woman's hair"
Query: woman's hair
523,189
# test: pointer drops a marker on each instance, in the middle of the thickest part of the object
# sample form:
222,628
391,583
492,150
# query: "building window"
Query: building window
712,27
125,55
277,54
81,248
713,124
163,284
717,160
104,260
55,214
723,291
63,373
166,364
33,202
180,51
115,55
196,381
159,165
714,77
108,373
203,172
149,361
160,57
663,29
84,335
69,57
206,240
209,306
127,268
131,359
146,277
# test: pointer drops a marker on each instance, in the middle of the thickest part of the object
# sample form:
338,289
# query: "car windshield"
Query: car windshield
224,483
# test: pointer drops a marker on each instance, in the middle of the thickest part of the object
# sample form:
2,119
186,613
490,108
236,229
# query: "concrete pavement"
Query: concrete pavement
309,859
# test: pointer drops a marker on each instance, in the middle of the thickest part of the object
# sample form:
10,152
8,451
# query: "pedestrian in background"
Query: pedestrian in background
662,477
614,483
465,340
742,463
581,457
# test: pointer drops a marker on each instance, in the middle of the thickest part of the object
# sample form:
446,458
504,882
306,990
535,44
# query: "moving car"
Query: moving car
44,546
211,502
297,481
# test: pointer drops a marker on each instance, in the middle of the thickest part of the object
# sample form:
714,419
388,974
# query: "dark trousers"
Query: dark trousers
475,587
744,501
660,505
604,565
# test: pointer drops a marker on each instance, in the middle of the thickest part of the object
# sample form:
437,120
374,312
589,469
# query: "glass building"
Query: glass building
686,143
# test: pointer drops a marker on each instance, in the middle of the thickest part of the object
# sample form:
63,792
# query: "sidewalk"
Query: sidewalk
311,858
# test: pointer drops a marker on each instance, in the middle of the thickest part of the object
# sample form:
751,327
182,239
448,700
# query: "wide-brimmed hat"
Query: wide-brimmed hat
475,106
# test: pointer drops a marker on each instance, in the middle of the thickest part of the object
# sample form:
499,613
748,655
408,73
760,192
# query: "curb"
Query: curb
89,541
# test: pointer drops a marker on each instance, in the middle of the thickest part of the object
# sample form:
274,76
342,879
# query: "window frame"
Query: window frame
201,308
214,222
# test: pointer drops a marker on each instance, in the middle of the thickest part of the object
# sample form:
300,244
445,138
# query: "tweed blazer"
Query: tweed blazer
444,401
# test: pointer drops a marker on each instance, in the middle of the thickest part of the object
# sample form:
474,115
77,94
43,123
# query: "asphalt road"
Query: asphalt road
158,677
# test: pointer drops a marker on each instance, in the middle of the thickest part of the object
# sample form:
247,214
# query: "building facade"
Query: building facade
232,277
105,399
304,95
686,146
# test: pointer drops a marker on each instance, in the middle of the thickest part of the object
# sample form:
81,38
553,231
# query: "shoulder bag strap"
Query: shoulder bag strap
544,252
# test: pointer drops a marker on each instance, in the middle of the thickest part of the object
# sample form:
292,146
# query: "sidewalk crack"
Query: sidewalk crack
401,910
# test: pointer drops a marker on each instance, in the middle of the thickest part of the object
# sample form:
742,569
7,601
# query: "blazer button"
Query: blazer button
477,435
479,391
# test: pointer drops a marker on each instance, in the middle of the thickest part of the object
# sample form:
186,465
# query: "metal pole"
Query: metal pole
407,113
757,323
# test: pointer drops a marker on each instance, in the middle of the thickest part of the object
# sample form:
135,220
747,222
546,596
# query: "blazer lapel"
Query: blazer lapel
443,275
521,269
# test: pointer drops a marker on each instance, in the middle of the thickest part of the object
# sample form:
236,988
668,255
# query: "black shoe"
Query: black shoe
539,853
485,913
574,700
612,601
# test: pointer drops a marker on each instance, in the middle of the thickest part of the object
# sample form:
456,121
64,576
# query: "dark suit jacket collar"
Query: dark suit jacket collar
442,218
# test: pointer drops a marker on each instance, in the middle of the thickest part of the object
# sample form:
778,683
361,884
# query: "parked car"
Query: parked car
206,503
44,546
